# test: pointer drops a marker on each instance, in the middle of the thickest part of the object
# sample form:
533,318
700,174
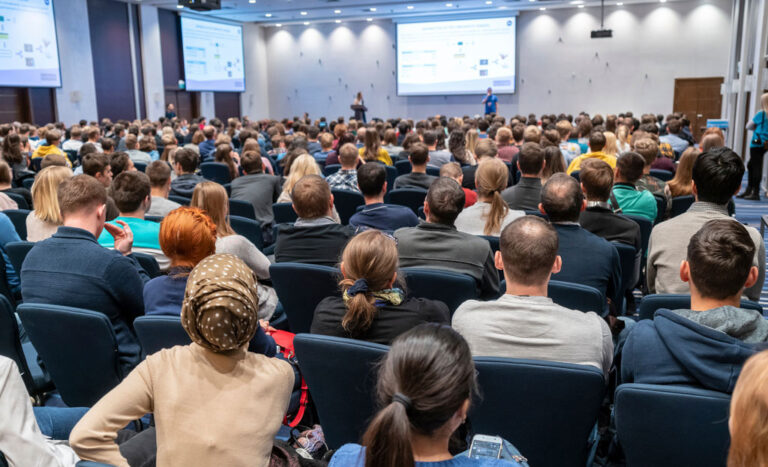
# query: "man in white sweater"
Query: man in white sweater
524,322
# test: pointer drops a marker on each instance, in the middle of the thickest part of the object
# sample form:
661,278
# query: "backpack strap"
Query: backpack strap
614,203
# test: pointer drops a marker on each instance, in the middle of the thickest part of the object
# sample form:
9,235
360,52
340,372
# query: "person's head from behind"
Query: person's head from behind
326,141
718,264
44,193
596,178
717,175
120,162
531,160
221,304
53,160
674,126
490,180
419,155
596,141
629,168
97,165
186,161
187,235
369,265
131,141
748,414
159,174
562,199
372,180
648,149
425,386
504,136
348,156
430,139
53,137
311,197
6,174
132,193
684,172
711,141
564,129
452,170
212,198
251,162
444,202
81,201
209,132
531,134
486,148
528,252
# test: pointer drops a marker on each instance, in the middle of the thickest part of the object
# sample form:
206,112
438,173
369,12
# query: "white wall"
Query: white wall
151,62
318,69
254,102
76,98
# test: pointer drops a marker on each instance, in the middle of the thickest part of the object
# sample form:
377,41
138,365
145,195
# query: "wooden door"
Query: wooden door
699,99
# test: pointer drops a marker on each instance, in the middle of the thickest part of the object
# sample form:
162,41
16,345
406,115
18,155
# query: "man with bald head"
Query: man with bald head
587,258
524,322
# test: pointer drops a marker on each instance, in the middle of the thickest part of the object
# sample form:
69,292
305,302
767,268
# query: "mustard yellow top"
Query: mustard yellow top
383,155
576,163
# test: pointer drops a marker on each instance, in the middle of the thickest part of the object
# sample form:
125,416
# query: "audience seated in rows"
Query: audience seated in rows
707,344
372,182
649,150
569,149
437,244
212,198
372,307
208,146
186,162
133,196
524,322
159,173
491,213
680,185
258,188
437,157
372,150
673,136
187,236
717,176
6,180
507,150
46,218
417,178
346,178
601,217
526,194
453,170
72,269
251,391
587,258
629,199
596,145
120,162
51,146
132,149
316,237
97,165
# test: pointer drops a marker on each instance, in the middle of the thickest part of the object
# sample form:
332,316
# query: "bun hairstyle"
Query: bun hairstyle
370,261
490,179
423,381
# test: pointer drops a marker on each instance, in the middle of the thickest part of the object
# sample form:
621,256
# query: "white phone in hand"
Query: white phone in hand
485,447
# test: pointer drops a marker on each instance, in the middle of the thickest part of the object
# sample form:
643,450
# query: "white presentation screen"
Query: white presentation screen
456,57
213,55
29,53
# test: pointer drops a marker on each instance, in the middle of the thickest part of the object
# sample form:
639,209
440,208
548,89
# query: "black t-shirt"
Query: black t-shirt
421,181
317,244
610,226
390,321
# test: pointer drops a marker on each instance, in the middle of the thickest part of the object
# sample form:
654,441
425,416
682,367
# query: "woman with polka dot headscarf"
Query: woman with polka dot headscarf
214,402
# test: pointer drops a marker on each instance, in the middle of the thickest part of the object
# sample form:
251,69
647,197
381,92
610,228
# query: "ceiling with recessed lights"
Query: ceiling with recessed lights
306,11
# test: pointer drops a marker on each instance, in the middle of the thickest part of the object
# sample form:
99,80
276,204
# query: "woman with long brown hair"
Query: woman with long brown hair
491,213
749,415
224,154
372,150
372,307
681,184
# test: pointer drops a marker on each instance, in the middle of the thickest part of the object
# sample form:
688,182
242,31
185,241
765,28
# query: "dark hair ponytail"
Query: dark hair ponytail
424,380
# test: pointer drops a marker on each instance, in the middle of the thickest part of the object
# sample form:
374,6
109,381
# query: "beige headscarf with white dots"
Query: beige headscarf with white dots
220,303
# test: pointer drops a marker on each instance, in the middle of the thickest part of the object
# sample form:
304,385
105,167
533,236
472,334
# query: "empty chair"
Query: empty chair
241,208
346,203
403,167
300,287
284,213
249,229
28,182
653,302
392,174
546,409
680,204
19,219
215,172
17,252
645,230
341,377
72,156
434,171
140,166
451,288
20,201
148,263
576,296
409,197
159,332
630,272
78,347
36,162
663,175
179,199
331,169
671,426
24,355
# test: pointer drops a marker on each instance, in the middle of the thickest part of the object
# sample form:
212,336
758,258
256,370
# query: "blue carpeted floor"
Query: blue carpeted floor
749,213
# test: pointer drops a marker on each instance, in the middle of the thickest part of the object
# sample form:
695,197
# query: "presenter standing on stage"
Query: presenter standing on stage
490,102
359,107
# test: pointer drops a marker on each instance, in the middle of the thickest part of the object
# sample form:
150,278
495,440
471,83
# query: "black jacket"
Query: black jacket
317,244
612,227
525,196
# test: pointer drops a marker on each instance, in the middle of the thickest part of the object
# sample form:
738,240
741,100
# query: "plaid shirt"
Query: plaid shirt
665,149
343,180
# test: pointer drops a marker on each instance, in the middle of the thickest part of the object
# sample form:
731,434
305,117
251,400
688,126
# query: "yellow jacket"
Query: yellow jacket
383,155
43,151
576,163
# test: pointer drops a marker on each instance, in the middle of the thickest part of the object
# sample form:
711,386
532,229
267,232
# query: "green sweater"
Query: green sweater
635,203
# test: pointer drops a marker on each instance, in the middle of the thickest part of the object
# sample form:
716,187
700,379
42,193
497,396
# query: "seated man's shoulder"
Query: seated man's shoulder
464,314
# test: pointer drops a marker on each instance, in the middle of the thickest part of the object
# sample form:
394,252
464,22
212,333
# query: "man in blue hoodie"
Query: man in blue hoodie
707,345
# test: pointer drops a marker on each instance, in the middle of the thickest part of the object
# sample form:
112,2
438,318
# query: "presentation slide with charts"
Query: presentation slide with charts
456,57
213,55
29,55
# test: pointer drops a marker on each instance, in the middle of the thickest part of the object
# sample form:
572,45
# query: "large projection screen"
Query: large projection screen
456,57
213,55
29,53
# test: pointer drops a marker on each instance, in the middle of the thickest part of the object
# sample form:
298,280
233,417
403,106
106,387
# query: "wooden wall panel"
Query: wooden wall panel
226,104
